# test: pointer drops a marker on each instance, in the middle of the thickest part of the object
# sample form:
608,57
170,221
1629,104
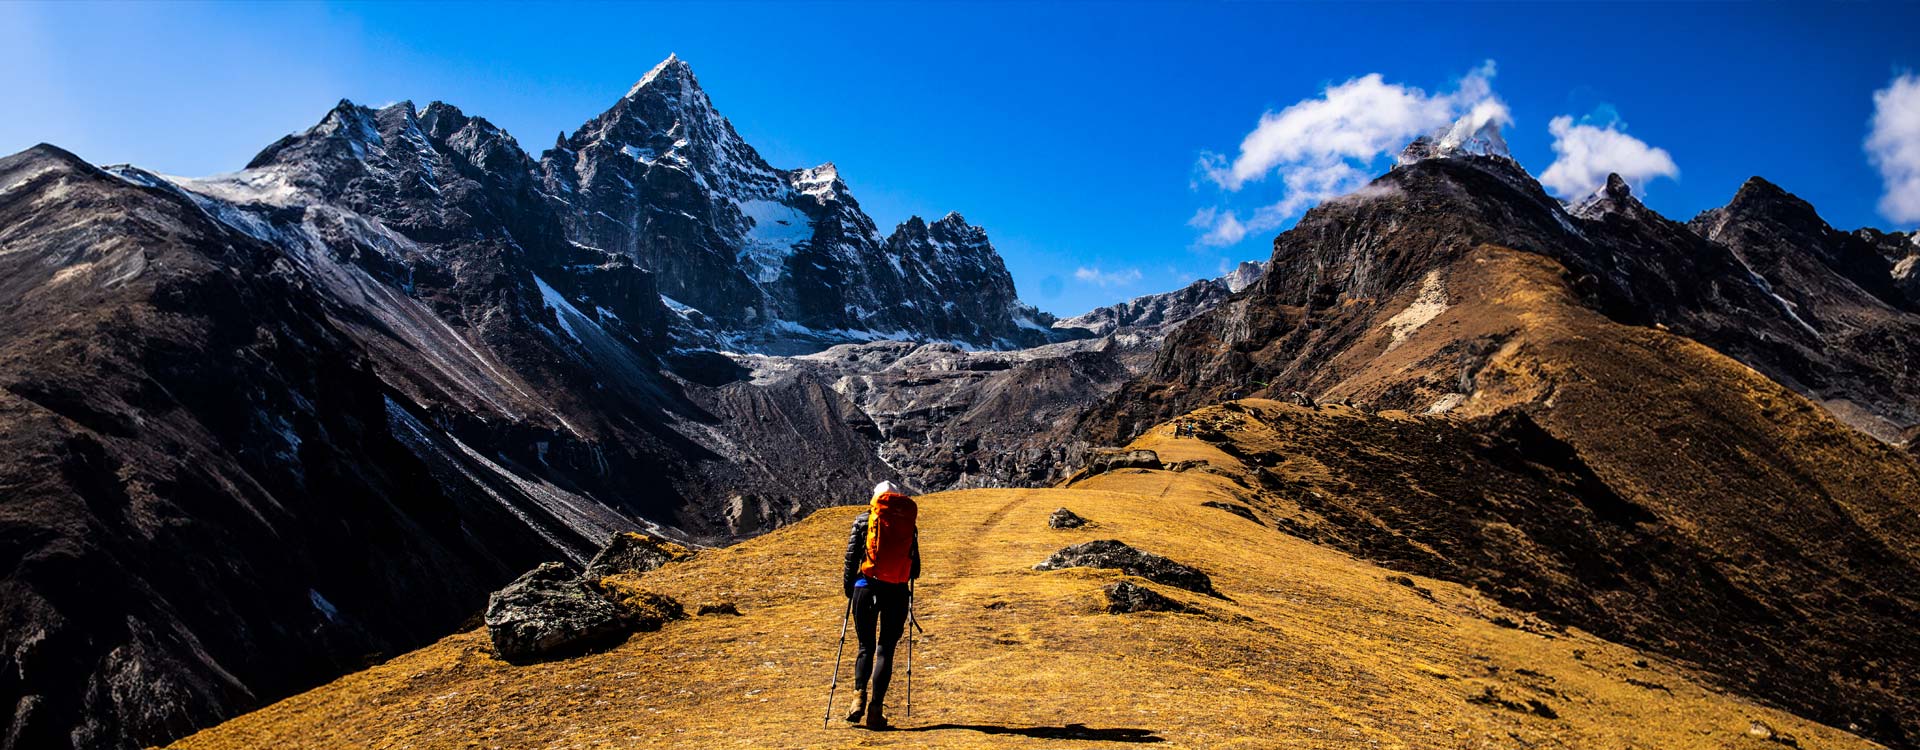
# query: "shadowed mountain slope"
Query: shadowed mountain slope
206,500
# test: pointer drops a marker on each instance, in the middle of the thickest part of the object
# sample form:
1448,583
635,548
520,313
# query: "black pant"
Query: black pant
883,605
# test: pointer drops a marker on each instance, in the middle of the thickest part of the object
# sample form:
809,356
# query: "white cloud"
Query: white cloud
1098,277
1585,154
1308,185
1326,147
1357,120
1223,227
1894,146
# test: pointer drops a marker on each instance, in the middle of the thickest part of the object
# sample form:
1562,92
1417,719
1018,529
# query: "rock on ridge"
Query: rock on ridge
1117,555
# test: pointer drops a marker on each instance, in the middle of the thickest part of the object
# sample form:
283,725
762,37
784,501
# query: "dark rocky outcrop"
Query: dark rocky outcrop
1065,519
633,553
1126,597
550,612
1116,555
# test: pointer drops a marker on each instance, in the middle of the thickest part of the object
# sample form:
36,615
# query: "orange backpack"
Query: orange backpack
890,530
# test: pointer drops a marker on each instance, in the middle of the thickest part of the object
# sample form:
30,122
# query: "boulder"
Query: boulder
1065,519
550,612
1116,555
1103,460
1124,597
1126,459
633,553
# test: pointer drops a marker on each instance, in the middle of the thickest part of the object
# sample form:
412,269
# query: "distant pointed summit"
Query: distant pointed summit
1611,196
672,71
772,259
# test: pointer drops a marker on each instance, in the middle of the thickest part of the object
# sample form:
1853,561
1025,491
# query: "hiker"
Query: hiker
883,555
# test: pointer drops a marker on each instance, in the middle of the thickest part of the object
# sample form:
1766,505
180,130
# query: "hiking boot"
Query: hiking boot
877,719
859,708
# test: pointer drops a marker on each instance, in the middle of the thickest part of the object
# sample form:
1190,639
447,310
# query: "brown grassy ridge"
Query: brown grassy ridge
1317,649
1616,477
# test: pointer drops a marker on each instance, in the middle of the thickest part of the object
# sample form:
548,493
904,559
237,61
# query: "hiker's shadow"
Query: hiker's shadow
1068,732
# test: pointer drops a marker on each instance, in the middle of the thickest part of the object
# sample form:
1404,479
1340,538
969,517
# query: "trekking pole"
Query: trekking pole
913,625
909,648
841,651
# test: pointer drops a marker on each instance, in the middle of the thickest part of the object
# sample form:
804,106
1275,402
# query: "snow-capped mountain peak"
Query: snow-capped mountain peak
768,255
1611,196
1476,133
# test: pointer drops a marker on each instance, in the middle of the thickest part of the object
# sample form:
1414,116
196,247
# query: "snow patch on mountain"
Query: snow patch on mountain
774,231
819,183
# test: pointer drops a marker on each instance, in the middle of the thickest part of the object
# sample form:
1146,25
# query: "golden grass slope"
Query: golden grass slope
1317,649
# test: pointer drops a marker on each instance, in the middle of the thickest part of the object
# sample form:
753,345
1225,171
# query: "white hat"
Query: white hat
886,488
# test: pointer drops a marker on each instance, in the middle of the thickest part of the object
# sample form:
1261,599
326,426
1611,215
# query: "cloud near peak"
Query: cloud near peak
1585,154
1095,276
1328,146
1893,145
1353,121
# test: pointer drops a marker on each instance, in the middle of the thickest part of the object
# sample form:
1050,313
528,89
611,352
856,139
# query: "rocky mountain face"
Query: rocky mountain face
946,417
1616,345
1859,330
213,494
782,261
1902,251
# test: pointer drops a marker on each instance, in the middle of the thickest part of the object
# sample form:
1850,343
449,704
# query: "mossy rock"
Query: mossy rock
629,552
642,609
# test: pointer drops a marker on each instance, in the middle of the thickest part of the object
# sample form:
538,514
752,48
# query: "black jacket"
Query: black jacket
857,552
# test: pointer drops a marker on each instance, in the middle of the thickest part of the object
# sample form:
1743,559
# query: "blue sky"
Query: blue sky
1072,132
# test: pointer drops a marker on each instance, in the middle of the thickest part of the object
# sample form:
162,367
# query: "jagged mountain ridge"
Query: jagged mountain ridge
779,260
1162,312
1628,261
